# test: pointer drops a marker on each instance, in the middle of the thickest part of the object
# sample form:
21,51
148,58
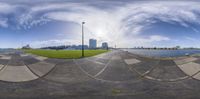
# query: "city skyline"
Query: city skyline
125,24
91,45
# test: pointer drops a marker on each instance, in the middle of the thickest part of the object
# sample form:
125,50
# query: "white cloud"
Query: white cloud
121,25
55,42
192,39
6,8
3,23
26,21
158,38
129,20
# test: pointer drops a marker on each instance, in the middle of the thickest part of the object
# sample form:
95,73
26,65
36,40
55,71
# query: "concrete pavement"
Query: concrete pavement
112,75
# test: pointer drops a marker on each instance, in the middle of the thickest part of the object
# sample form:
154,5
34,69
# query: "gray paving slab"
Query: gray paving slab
24,55
41,58
177,90
5,57
29,60
192,84
55,61
116,57
145,66
167,70
16,60
67,72
197,61
131,61
4,61
197,76
190,68
16,74
1,66
107,55
117,70
98,60
180,61
90,67
127,55
41,68
67,80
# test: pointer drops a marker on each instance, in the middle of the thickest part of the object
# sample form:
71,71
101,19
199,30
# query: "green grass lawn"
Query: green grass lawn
64,53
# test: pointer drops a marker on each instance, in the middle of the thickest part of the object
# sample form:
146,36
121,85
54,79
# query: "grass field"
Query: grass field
64,53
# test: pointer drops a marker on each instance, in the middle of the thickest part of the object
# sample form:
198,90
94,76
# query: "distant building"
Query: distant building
104,45
178,47
26,47
80,47
92,43
66,47
77,47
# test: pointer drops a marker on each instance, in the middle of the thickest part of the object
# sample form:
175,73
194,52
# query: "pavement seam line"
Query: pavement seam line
145,75
31,70
5,66
187,74
95,61
109,81
42,75
168,80
102,70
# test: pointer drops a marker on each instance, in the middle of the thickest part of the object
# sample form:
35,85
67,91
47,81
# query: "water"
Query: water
163,53
5,51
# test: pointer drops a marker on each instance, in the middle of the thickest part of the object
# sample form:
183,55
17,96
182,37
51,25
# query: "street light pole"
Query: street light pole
83,39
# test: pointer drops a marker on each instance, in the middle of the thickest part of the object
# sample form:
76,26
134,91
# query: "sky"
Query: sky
124,23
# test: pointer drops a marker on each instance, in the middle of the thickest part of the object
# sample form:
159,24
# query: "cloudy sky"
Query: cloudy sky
125,23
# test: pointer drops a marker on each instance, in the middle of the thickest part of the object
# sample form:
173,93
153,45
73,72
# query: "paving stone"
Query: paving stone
16,74
131,61
67,80
89,66
41,68
197,61
1,66
5,57
55,61
143,66
184,60
41,58
4,61
117,57
190,68
117,70
105,55
98,60
16,60
23,55
127,55
29,60
67,72
167,70
197,76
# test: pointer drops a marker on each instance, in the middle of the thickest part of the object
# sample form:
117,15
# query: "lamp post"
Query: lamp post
83,39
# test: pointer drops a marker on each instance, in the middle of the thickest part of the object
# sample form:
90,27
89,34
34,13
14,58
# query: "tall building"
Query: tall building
105,45
92,43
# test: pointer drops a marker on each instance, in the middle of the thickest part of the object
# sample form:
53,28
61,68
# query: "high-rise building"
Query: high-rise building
92,43
105,45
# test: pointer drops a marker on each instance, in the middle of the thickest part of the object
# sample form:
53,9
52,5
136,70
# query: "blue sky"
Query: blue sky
125,23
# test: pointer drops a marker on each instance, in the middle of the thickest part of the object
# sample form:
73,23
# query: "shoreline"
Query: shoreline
164,58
